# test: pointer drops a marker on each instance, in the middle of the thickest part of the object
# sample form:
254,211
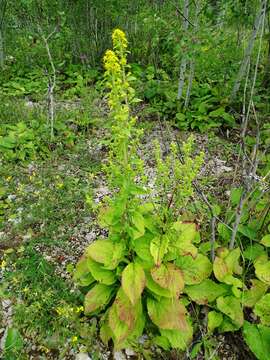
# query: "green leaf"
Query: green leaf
101,274
247,232
105,333
162,342
13,343
142,248
155,288
82,275
266,240
120,330
125,320
262,269
225,265
185,235
169,277
106,252
257,338
231,306
228,325
97,298
262,309
205,292
167,313
236,195
253,251
194,270
133,281
217,113
138,221
214,320
158,248
179,339
253,295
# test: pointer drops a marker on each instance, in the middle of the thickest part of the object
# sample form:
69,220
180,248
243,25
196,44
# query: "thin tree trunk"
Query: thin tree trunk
192,60
248,51
2,55
183,65
3,7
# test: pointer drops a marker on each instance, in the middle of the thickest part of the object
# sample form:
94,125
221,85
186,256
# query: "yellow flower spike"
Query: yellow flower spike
119,39
111,62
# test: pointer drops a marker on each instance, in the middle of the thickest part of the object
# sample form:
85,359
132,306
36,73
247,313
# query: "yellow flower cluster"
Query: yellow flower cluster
111,62
119,39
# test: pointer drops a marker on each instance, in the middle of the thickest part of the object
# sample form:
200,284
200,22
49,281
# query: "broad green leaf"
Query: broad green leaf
105,332
185,234
262,309
158,248
262,269
266,240
217,113
253,295
169,277
82,275
205,292
247,232
186,231
253,251
127,312
236,195
224,232
179,339
231,306
133,281
167,313
119,328
227,325
194,270
214,320
138,221
162,342
155,288
257,338
125,320
97,298
106,252
142,248
100,274
225,265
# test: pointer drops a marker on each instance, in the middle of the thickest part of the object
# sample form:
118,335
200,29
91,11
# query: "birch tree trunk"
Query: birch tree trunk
183,65
248,51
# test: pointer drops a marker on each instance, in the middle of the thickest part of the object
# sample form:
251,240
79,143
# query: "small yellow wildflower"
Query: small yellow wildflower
79,309
74,339
3,264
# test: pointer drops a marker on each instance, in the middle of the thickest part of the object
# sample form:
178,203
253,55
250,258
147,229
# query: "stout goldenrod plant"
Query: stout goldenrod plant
141,270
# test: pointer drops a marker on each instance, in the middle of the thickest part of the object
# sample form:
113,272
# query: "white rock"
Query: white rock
82,356
118,355
130,352
6,303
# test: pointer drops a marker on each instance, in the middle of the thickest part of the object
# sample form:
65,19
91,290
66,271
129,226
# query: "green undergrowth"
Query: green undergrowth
46,312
